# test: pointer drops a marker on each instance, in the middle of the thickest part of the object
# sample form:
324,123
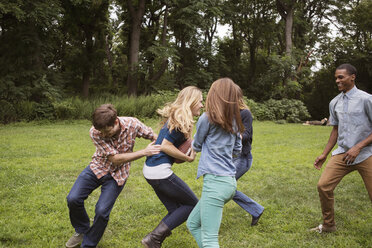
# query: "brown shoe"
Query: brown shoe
321,228
75,240
256,219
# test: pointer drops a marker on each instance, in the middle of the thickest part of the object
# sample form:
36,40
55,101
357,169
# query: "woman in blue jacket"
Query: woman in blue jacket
218,138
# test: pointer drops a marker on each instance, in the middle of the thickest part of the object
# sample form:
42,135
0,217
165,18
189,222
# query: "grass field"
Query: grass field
39,163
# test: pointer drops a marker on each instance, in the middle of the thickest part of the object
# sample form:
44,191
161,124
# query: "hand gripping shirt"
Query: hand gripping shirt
130,128
352,113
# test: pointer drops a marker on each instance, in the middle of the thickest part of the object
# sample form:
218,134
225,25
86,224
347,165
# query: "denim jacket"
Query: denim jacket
217,147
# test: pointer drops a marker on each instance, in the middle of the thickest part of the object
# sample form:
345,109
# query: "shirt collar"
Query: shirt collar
351,92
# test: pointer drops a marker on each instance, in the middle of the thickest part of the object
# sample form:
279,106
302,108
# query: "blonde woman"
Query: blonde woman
174,193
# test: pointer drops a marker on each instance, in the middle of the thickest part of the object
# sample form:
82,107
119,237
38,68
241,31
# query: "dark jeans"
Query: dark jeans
176,196
82,188
243,164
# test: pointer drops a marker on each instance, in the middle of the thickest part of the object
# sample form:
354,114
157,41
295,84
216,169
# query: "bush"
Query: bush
26,110
64,110
7,112
44,110
289,110
73,108
141,107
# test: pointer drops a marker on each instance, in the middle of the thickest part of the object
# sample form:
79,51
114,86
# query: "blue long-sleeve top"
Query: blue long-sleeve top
217,147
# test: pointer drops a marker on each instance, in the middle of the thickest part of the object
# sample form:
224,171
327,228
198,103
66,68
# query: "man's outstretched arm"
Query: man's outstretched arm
120,158
331,143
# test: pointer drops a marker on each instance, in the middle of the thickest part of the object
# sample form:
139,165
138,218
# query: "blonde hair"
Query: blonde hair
222,105
179,114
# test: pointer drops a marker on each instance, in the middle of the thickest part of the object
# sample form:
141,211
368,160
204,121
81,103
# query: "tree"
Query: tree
184,22
286,10
155,45
351,45
253,24
136,13
85,26
29,43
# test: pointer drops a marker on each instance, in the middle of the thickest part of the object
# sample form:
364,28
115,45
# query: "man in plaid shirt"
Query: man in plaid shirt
114,138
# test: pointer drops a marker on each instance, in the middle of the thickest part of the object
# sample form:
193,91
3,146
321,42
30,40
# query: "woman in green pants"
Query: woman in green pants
218,138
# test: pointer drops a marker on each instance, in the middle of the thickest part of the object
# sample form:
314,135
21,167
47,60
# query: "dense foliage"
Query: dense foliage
75,108
275,49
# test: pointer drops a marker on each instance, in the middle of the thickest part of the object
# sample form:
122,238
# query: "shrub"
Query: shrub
7,112
64,110
26,110
141,106
44,110
289,110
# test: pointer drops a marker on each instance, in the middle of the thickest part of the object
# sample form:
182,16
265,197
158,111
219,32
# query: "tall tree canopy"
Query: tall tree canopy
275,49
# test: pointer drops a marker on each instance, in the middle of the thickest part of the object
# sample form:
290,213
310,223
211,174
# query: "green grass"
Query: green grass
39,163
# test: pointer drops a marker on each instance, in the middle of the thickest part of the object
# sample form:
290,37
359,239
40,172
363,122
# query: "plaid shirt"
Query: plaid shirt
130,128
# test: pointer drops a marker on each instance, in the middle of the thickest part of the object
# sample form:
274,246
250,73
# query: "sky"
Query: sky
223,30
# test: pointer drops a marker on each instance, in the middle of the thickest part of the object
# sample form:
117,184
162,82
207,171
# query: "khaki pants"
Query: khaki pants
335,170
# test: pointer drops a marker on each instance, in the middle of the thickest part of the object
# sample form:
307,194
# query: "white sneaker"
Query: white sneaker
321,229
75,240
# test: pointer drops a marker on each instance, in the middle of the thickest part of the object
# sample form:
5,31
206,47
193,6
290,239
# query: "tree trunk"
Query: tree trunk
288,32
109,60
164,65
134,42
252,62
88,66
181,72
286,12
86,83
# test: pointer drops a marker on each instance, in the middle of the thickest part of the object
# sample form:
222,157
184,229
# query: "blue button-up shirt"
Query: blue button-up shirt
217,147
352,113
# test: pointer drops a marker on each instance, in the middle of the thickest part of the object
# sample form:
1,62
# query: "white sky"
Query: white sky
223,30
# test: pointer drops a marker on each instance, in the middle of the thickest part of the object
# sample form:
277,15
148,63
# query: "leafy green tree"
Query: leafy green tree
253,25
136,12
157,50
184,22
85,27
351,45
286,9
29,41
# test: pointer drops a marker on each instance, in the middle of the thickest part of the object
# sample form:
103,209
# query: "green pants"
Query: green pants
205,219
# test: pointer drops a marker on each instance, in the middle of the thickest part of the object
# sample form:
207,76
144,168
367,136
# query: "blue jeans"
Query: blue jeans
243,164
82,188
177,198
205,219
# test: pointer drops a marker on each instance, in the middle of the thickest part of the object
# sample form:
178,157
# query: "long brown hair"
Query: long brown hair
242,104
222,105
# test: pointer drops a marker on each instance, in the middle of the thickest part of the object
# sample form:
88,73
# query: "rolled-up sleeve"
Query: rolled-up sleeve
202,127
143,131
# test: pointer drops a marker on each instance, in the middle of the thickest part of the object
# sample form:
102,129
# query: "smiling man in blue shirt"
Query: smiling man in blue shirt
351,118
